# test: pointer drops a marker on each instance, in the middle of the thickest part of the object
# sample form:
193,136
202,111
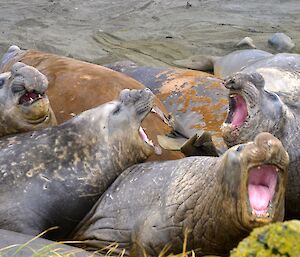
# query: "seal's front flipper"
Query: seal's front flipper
198,62
171,143
199,146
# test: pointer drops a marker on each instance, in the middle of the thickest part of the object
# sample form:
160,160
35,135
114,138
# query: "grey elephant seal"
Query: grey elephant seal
218,199
253,109
281,42
223,66
21,245
249,60
24,105
52,177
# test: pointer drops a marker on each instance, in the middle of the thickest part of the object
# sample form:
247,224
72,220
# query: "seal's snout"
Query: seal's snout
272,147
27,83
240,80
135,96
233,82
29,77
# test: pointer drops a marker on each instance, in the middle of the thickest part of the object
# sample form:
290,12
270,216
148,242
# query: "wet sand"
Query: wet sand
151,32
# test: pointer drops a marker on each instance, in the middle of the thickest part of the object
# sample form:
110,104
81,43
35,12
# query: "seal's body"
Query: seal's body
52,177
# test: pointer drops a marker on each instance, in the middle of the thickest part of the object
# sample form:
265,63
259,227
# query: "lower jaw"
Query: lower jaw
37,121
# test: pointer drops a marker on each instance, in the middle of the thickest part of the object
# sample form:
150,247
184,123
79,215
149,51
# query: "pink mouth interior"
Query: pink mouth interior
240,111
29,97
144,136
261,187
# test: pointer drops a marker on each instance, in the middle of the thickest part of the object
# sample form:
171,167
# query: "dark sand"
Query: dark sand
152,32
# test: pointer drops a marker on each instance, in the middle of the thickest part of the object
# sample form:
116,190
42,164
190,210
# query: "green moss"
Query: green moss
278,239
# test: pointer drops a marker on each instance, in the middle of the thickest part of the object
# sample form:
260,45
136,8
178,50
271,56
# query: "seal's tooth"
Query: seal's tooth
259,167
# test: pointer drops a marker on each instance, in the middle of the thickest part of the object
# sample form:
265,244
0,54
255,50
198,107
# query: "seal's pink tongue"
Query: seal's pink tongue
261,187
240,111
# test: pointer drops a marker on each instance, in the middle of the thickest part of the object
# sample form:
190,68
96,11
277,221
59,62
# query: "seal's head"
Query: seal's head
24,106
125,118
252,109
255,178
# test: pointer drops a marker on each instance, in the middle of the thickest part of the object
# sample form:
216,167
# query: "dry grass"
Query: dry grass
56,249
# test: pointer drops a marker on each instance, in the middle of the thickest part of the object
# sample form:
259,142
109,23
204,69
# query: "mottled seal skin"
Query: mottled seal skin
24,105
196,99
52,177
21,245
151,205
253,109
76,86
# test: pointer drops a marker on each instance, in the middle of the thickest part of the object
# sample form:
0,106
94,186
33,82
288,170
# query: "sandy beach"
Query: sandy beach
151,32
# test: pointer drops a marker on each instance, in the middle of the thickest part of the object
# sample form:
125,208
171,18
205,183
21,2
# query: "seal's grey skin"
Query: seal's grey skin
21,245
253,109
246,41
24,106
12,52
52,177
281,42
249,60
226,65
151,205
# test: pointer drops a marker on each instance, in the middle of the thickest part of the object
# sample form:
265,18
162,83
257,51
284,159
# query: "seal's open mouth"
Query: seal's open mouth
144,137
238,112
262,182
30,97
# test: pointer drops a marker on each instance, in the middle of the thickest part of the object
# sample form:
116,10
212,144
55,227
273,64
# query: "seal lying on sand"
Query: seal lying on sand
219,200
21,245
250,60
24,106
253,109
76,86
226,65
52,177
196,99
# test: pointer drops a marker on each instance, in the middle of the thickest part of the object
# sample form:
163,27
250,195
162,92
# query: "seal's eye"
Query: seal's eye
117,110
2,82
240,148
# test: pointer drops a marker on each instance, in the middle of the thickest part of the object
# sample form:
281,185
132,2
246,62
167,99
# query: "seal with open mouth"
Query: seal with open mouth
197,100
253,109
219,200
76,86
24,105
52,177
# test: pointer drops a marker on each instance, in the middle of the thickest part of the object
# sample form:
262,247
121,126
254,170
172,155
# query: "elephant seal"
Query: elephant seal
253,109
219,200
197,100
52,177
226,65
281,42
250,60
21,245
76,86
24,105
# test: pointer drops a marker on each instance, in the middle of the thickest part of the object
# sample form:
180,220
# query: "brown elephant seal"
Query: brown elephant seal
253,109
197,100
52,177
76,86
24,105
219,200
21,245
